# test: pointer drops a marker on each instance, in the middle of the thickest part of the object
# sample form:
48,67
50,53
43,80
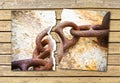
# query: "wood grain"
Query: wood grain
59,80
114,48
114,25
5,59
5,14
5,25
114,37
70,76
5,37
5,48
22,4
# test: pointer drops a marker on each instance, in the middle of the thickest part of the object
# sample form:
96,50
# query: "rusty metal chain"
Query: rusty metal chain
64,42
102,35
44,45
41,51
101,32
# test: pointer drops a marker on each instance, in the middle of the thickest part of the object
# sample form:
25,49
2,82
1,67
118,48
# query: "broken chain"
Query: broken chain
44,45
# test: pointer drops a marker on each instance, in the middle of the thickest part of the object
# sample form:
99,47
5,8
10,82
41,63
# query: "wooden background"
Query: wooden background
59,76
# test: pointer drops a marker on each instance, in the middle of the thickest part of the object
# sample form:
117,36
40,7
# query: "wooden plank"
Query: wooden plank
23,4
5,25
5,36
44,1
5,59
112,59
5,48
5,14
114,48
82,1
114,37
59,80
99,3
112,71
114,25
15,4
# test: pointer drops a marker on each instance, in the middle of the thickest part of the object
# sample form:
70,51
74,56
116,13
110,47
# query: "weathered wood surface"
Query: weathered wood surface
71,76
5,25
15,4
59,80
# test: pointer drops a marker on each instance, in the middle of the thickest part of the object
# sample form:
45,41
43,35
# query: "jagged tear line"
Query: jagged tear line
53,48
54,44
